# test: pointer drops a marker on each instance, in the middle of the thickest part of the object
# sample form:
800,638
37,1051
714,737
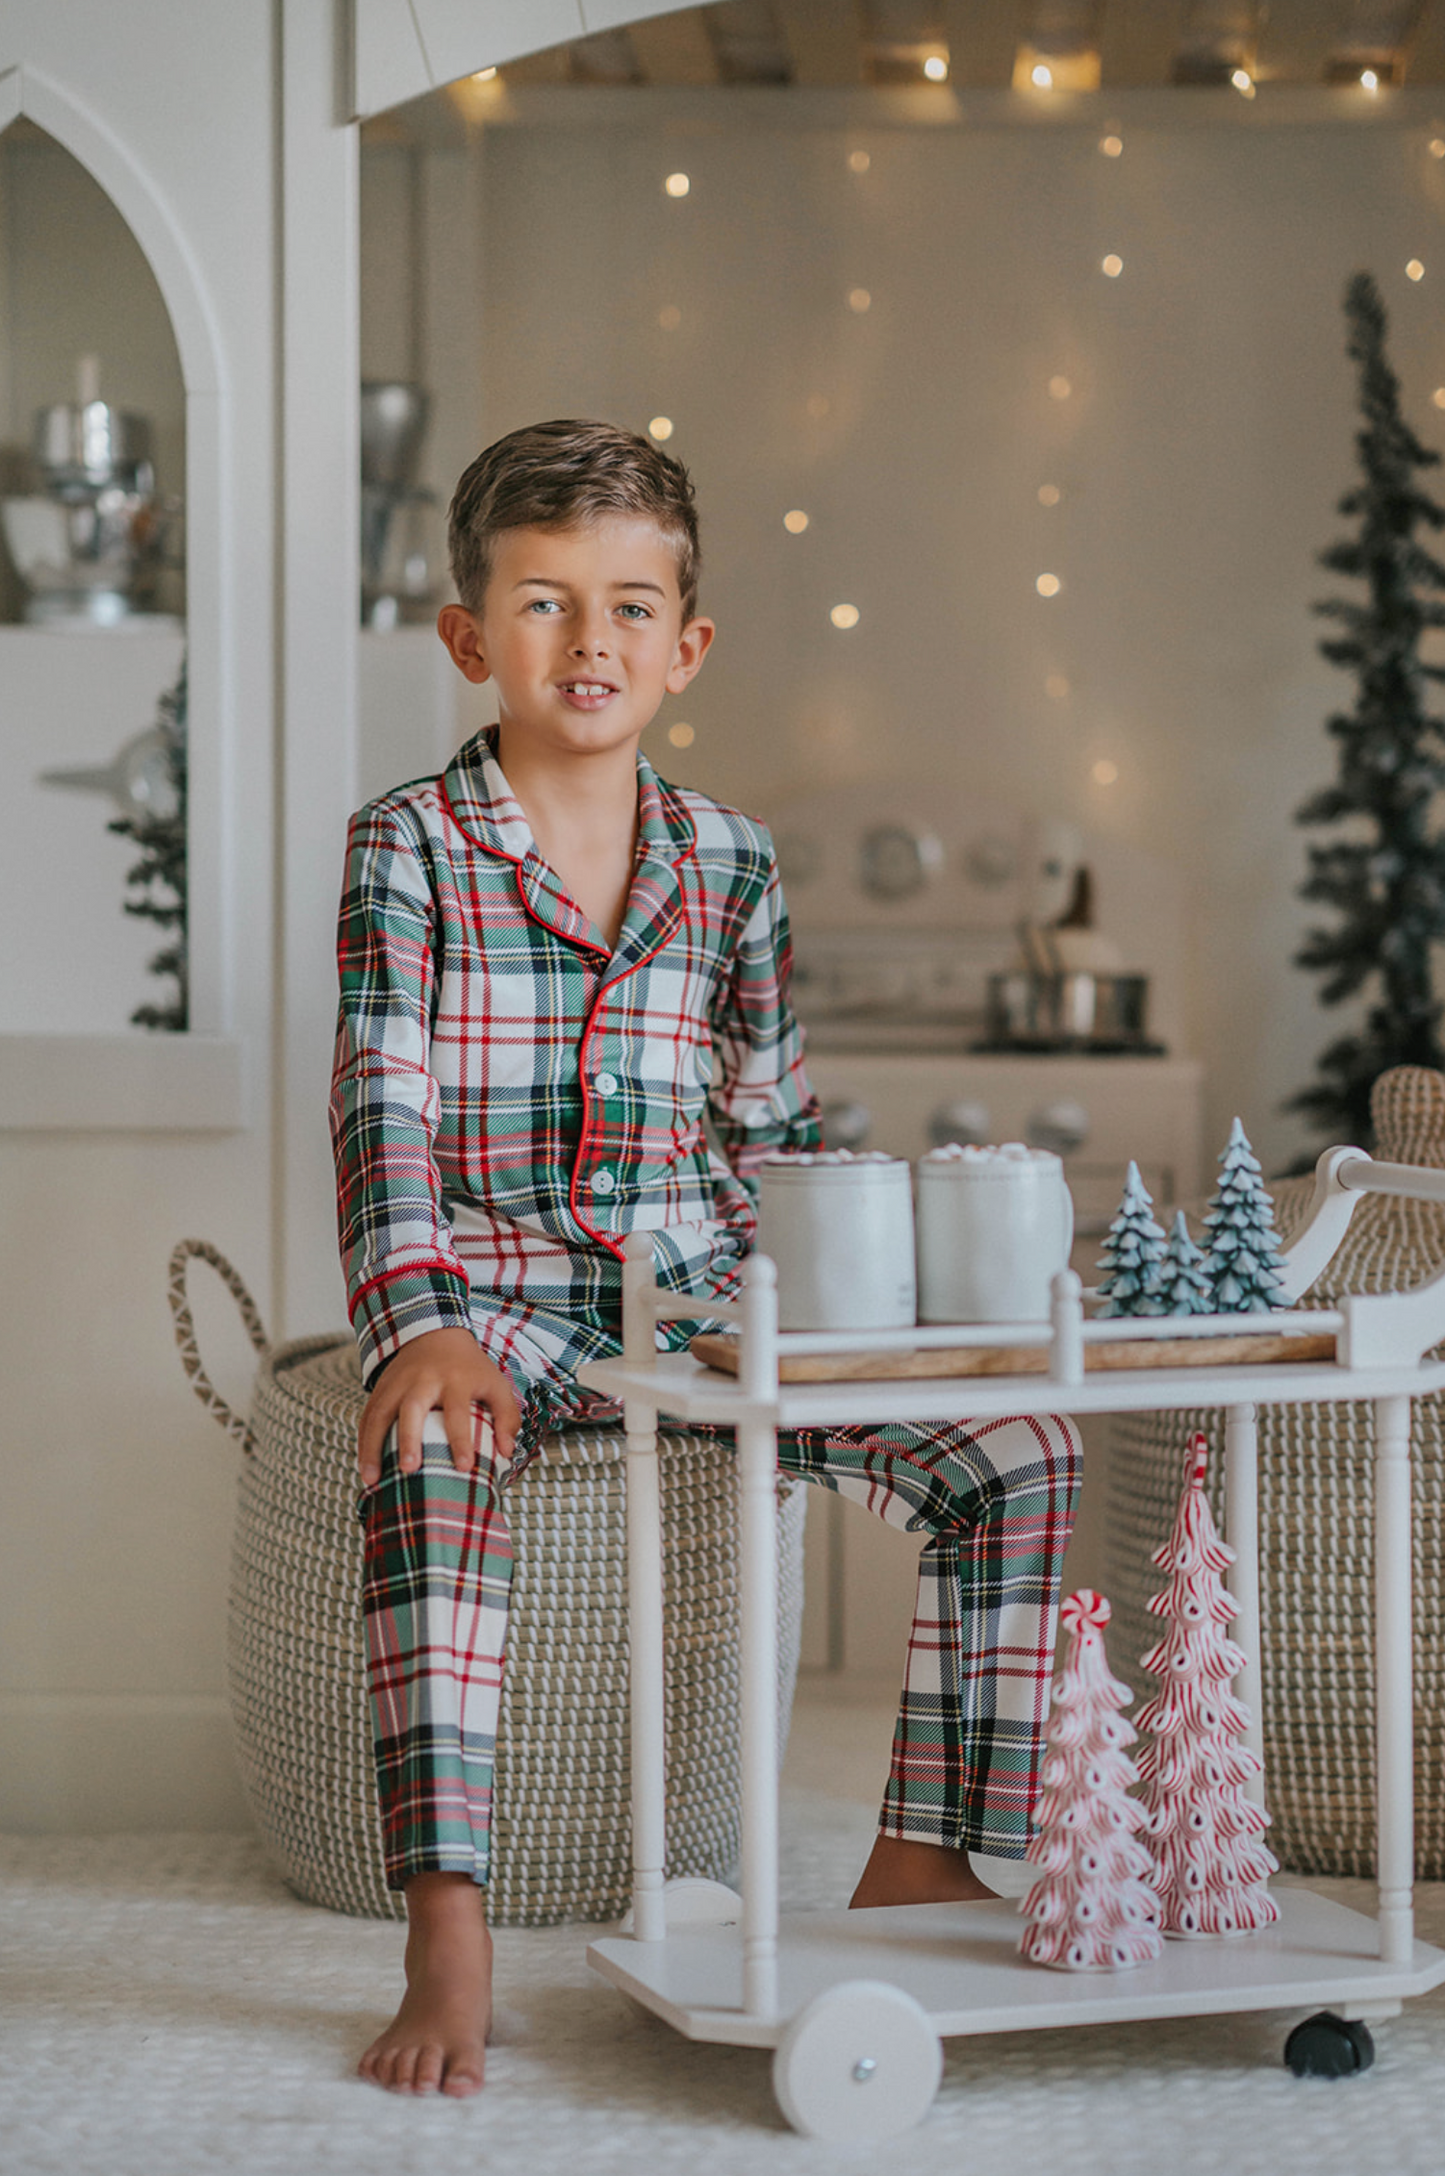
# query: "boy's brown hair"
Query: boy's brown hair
562,475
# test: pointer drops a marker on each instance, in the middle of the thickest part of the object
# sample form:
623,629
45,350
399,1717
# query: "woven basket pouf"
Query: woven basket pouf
1316,1512
561,1826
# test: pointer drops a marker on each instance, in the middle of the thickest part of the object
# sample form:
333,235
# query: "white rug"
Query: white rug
167,2008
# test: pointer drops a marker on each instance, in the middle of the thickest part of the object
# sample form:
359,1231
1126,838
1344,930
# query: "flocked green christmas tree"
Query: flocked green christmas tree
1183,1285
1245,1271
1384,880
1132,1254
158,880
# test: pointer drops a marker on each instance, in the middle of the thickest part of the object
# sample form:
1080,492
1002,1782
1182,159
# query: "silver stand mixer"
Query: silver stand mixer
94,544
396,556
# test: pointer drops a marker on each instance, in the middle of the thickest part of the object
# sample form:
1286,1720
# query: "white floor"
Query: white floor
168,2009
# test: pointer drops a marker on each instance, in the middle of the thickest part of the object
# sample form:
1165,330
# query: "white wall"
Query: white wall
118,1490
1206,438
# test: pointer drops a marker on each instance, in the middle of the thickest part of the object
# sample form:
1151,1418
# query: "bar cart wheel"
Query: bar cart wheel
1326,2046
859,2062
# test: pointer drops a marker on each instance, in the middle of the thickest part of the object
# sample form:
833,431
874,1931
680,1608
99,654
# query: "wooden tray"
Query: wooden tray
718,1350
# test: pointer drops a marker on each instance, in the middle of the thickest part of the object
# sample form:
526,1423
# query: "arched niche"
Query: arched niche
404,48
134,1079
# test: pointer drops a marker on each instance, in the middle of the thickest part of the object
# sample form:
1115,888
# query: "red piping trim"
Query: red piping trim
403,1269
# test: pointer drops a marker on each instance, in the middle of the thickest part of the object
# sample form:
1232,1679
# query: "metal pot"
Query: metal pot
1028,1009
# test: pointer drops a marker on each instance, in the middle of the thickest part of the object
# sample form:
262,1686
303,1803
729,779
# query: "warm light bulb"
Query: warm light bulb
669,317
859,162
936,68
484,75
1059,388
1438,396
1437,147
681,736
1243,82
660,427
1048,585
1112,266
1041,76
677,184
795,522
844,615
1111,146
1056,687
859,300
1105,773
1369,81
1414,270
1049,494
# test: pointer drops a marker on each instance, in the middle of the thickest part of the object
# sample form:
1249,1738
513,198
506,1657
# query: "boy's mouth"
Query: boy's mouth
587,694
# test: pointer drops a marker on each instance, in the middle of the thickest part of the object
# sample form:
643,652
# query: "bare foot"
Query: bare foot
900,1872
437,2041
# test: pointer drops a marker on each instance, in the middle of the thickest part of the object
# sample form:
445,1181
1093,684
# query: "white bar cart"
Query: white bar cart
854,2004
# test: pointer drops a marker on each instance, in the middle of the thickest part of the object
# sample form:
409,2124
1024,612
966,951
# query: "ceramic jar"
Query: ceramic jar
840,1229
994,1227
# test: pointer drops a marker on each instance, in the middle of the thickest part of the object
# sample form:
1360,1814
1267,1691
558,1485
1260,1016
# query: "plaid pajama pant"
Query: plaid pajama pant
995,1500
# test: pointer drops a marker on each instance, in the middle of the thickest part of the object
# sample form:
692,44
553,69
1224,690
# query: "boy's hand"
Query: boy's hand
446,1371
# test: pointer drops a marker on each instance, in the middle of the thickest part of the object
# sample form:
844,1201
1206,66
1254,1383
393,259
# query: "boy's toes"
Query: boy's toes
463,2076
426,2074
403,2070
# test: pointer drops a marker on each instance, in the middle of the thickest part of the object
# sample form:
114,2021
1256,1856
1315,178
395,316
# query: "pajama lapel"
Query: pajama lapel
665,841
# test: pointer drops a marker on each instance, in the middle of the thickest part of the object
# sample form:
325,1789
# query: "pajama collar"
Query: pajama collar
475,788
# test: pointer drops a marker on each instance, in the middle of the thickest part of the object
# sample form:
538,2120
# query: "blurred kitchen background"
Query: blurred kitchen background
1004,343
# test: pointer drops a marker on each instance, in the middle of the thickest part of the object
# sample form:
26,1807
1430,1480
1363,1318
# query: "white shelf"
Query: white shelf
960,1963
682,1387
133,1083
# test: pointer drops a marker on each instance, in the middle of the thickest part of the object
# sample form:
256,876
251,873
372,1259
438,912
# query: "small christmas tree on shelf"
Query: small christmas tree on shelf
1182,1286
1210,1866
1132,1254
1093,1907
1245,1271
160,833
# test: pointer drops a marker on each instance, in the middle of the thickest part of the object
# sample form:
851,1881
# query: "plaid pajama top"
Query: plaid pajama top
511,1096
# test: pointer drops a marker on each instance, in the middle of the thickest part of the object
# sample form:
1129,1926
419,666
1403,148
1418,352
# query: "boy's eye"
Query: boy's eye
635,611
544,604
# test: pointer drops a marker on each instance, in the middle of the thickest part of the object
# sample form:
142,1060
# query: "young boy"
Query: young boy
553,966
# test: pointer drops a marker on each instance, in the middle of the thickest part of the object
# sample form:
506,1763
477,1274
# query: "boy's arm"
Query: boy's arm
760,1099
406,1282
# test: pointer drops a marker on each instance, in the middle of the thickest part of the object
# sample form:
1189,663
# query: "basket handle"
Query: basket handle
201,1383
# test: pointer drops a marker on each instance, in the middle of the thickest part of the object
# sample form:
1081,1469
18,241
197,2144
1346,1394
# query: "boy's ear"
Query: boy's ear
459,631
693,645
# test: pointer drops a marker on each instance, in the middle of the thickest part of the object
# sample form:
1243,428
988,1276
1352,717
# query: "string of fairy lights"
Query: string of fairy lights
1049,583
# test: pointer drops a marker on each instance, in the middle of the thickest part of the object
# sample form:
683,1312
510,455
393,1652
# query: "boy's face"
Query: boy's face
581,629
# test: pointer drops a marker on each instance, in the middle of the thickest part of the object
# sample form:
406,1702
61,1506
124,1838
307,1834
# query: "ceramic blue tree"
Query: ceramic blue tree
1245,1271
1133,1253
1184,1285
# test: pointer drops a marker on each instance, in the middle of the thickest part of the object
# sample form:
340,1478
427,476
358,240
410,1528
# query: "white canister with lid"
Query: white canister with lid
840,1228
994,1227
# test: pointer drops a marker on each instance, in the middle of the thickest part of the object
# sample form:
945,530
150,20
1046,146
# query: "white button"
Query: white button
603,1182
606,1084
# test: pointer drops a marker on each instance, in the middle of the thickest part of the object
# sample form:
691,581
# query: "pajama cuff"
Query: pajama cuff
390,1310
